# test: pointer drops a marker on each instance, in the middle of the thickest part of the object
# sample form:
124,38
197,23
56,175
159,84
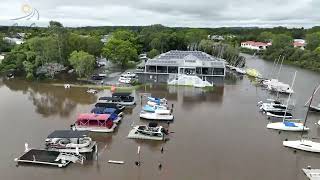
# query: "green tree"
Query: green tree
313,41
120,52
82,62
153,53
265,36
206,45
281,41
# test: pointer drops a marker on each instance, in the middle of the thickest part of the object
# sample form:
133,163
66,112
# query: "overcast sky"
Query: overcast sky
187,13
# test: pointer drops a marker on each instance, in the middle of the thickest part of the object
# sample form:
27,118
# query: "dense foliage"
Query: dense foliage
55,44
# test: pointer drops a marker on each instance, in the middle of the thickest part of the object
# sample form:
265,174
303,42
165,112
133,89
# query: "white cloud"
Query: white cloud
200,13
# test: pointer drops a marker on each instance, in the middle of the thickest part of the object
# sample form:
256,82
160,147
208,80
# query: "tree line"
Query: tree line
56,47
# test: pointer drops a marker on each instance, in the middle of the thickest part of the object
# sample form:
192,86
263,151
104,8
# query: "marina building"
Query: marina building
169,65
255,45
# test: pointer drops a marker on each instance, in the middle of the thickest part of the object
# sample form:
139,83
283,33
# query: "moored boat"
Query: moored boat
287,126
70,141
164,115
115,115
125,98
279,114
148,132
95,123
304,145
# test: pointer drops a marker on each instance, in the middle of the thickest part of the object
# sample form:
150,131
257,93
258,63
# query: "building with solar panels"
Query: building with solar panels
172,63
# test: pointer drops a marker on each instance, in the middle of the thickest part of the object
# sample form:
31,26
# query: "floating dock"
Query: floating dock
44,157
312,174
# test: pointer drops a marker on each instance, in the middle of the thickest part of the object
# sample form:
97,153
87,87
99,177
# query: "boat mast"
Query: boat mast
280,68
310,96
285,112
305,120
274,66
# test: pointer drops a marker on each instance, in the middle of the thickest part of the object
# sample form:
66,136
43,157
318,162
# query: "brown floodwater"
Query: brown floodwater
215,135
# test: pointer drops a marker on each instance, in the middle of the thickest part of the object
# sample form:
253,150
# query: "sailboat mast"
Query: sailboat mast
285,112
276,62
280,68
310,96
305,120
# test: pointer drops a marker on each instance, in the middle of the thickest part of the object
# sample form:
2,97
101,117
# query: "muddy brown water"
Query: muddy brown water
215,135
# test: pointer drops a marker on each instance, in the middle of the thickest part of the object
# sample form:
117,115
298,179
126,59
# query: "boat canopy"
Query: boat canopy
96,120
68,134
97,117
110,98
289,124
153,99
102,110
107,105
117,94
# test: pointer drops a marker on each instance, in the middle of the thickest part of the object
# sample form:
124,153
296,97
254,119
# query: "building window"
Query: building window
162,69
218,71
173,69
198,70
151,69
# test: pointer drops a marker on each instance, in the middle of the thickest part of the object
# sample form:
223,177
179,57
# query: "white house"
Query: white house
299,43
13,40
255,45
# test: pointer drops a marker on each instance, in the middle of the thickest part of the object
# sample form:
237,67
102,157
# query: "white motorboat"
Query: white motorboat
148,132
159,101
281,88
287,126
156,108
158,115
272,107
128,75
240,70
304,145
70,141
126,80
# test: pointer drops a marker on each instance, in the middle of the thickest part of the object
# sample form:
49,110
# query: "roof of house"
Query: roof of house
186,58
298,44
254,43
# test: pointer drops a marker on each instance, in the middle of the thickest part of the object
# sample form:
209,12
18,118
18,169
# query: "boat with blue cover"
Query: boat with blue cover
149,108
115,115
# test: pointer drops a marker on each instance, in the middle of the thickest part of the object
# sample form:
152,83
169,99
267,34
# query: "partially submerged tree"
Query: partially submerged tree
82,62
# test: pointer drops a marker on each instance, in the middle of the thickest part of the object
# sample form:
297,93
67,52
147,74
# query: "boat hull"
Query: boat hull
314,109
304,145
154,116
269,114
96,129
283,127
87,149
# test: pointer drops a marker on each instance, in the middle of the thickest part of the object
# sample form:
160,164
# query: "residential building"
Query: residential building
170,64
255,45
299,43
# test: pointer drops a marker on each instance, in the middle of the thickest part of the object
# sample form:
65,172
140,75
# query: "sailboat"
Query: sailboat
286,125
314,108
304,144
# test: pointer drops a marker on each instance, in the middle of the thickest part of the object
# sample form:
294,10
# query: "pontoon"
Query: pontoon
110,105
95,123
125,98
148,132
115,115
70,141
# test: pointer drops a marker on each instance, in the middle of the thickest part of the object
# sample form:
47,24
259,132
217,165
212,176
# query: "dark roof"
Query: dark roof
68,134
121,94
109,98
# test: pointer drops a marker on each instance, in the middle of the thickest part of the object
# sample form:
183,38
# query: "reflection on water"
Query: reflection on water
184,94
51,100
